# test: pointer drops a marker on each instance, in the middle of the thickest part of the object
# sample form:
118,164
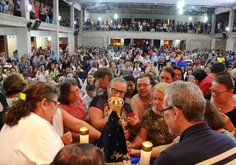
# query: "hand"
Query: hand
134,152
126,132
67,138
129,144
228,124
176,140
126,162
133,120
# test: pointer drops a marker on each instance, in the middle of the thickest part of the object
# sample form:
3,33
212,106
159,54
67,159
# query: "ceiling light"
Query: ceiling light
227,28
99,18
49,38
116,16
29,8
59,18
181,11
206,18
190,18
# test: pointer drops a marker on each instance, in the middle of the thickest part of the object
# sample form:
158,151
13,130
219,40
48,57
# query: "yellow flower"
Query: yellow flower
23,96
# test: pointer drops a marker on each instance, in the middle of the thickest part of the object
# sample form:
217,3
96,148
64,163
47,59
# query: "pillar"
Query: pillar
230,44
79,40
188,45
131,41
71,41
42,42
109,41
151,42
213,23
174,43
213,43
122,41
23,41
162,43
72,16
231,20
55,12
24,9
80,21
55,42
105,42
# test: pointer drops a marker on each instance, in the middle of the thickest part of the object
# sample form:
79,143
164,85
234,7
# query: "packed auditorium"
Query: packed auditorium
88,82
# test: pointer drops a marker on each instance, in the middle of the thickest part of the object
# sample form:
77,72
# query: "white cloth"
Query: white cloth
57,122
32,141
41,76
87,100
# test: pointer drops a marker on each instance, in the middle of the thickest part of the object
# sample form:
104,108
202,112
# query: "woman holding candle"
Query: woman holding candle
153,127
71,102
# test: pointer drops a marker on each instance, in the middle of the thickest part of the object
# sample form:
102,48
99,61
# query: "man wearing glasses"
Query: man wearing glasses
184,108
99,109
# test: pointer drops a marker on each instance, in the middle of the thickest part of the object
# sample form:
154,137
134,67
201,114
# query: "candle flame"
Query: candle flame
83,129
147,144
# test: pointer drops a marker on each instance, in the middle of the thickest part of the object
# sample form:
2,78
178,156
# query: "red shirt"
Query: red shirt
151,53
32,74
78,112
205,85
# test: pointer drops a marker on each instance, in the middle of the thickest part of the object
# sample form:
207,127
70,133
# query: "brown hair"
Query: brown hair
212,116
35,93
86,154
13,84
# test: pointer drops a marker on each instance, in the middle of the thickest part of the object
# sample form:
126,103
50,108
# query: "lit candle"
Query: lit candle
84,135
146,153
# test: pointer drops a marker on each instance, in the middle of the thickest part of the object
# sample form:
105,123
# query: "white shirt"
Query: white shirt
57,122
32,141
87,100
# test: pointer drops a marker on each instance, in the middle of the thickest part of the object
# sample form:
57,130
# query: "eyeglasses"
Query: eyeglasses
57,104
216,92
115,91
142,85
163,110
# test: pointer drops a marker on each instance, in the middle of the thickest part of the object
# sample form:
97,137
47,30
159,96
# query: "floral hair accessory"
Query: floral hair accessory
22,96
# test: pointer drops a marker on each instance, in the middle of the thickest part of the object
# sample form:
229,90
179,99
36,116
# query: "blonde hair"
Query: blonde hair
160,87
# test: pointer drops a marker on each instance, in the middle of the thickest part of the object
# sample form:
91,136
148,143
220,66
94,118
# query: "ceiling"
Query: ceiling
188,2
192,7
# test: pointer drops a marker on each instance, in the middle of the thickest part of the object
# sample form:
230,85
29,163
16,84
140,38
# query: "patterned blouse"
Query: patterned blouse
158,131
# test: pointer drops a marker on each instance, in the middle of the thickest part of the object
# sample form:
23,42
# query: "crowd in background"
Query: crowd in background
118,58
146,25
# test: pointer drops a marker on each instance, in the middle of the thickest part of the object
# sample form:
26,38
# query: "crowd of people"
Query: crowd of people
146,25
168,92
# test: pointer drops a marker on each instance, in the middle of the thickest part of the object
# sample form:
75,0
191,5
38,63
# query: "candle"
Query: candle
146,153
84,135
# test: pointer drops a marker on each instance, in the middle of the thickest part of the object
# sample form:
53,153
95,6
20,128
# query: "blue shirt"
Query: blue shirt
198,144
154,58
181,64
230,59
54,57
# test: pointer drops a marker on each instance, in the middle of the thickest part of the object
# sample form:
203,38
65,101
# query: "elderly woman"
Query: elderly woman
222,89
153,127
28,136
14,84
